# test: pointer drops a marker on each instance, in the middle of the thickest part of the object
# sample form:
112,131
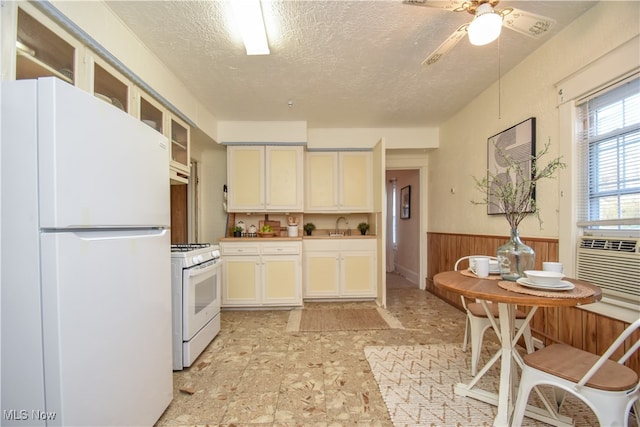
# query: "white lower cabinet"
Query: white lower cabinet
339,268
257,274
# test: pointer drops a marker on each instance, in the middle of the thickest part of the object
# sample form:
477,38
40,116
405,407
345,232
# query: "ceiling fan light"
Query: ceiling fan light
485,27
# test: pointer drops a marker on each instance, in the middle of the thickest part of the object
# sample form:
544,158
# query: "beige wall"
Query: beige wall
528,90
212,167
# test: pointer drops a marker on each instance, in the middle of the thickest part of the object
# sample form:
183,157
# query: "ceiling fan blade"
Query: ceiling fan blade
527,23
442,4
447,45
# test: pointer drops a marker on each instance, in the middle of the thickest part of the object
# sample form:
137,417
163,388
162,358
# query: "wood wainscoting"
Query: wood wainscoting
570,325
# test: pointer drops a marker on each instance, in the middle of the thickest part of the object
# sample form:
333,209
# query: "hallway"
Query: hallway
396,281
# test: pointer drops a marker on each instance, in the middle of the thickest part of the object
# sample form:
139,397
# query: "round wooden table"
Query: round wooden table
489,290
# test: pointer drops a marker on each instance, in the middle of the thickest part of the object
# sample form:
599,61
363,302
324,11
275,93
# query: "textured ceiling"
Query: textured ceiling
341,63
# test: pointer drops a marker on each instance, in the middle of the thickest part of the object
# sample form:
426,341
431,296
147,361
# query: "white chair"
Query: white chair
478,322
610,389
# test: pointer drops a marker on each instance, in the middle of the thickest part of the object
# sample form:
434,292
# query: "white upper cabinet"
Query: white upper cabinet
180,161
43,51
111,86
265,178
245,178
339,181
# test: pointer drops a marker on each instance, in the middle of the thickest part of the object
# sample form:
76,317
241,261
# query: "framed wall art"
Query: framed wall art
518,143
405,202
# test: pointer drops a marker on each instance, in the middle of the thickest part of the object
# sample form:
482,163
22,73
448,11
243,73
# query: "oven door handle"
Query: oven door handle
194,272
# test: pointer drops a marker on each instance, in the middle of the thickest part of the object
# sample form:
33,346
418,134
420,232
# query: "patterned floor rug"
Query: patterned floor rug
341,319
416,383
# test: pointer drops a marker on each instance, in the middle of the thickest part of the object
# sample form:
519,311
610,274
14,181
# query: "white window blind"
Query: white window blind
609,152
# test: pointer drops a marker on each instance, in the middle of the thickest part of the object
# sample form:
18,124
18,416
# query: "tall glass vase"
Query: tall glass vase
514,257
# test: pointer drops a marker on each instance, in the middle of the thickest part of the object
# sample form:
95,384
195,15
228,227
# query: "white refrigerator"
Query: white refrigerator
86,267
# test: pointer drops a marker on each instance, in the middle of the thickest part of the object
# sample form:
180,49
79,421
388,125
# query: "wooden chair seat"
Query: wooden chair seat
477,310
607,386
572,364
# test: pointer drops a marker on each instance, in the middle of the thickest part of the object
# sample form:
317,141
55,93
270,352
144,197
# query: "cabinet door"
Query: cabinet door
281,277
321,182
321,275
356,182
358,274
245,175
150,112
180,160
110,86
41,48
240,281
284,178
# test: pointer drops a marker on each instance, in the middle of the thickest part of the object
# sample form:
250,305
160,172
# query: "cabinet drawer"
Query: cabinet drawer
330,245
280,248
358,244
240,249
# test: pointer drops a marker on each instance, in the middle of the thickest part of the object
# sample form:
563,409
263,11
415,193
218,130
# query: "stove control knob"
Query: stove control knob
197,259
215,253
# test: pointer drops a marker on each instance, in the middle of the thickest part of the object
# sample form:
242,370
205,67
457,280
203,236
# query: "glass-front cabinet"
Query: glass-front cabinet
151,113
44,48
179,151
110,86
40,52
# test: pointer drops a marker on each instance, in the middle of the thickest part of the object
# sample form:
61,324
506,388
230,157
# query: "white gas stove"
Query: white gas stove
196,283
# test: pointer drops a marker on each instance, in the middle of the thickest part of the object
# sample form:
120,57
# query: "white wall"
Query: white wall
262,132
326,138
528,90
395,138
212,169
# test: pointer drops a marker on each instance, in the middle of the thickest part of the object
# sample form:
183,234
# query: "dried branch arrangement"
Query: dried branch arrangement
512,190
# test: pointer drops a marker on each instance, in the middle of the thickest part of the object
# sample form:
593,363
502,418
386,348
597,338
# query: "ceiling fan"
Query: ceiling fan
486,24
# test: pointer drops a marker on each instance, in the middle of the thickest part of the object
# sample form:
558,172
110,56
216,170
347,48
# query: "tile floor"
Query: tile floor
256,374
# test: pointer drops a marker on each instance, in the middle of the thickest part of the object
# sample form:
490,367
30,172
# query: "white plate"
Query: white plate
496,271
151,123
562,286
104,98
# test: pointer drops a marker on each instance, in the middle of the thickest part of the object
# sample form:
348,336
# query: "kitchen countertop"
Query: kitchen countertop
353,236
299,238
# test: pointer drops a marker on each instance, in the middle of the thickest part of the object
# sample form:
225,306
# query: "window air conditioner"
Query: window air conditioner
613,264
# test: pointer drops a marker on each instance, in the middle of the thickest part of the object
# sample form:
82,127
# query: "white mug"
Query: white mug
480,266
553,266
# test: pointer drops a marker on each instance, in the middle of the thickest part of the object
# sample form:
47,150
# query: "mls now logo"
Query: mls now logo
24,415
15,414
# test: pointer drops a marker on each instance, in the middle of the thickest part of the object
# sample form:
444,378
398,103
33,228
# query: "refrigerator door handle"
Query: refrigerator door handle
116,233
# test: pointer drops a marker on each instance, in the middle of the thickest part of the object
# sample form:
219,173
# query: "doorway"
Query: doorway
179,214
403,223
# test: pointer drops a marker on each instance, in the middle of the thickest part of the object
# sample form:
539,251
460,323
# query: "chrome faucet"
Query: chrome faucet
346,222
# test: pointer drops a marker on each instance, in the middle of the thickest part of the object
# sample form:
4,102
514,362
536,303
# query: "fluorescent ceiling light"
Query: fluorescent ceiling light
248,14
486,26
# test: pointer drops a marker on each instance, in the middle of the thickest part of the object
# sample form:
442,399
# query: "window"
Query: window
609,151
